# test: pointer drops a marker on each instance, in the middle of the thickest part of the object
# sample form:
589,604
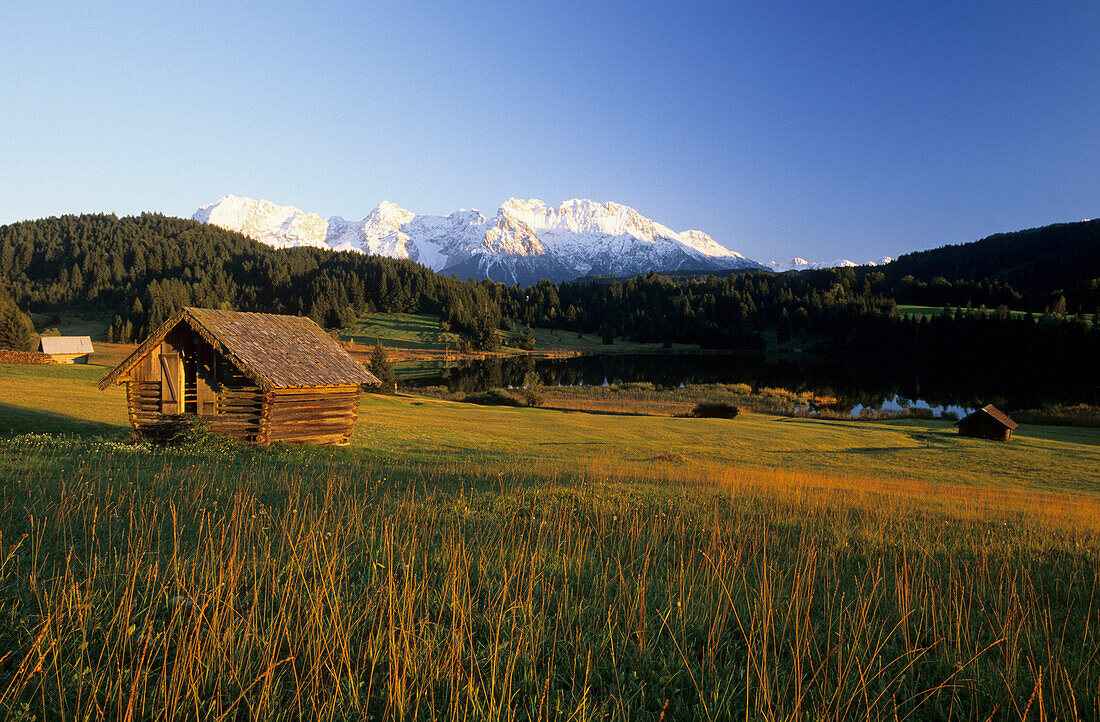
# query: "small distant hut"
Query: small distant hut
988,422
67,349
254,377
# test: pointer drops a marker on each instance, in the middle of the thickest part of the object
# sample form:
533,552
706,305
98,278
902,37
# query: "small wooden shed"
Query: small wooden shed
255,377
988,422
67,349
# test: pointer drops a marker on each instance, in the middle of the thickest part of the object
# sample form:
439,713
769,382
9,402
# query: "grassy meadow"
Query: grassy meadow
466,562
914,310
411,332
418,348
401,331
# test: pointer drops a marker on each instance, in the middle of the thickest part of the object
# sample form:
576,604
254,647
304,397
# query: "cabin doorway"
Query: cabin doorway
200,378
188,373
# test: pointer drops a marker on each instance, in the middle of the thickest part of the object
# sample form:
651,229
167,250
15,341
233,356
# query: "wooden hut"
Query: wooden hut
988,422
67,349
255,377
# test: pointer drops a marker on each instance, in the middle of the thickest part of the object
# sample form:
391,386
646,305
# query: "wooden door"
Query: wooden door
206,380
171,384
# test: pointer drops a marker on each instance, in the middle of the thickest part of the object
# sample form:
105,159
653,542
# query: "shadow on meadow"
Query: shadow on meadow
20,420
593,412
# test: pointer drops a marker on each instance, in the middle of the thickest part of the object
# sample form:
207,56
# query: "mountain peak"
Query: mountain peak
526,241
391,213
801,264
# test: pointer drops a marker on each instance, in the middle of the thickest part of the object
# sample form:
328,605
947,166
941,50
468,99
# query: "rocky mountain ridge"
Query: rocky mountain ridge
527,240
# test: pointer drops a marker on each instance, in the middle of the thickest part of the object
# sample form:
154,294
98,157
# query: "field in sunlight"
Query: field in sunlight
464,562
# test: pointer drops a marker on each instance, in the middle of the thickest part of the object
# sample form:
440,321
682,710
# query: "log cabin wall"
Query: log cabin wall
143,406
69,358
239,412
254,377
315,415
238,404
183,374
981,426
242,411
143,397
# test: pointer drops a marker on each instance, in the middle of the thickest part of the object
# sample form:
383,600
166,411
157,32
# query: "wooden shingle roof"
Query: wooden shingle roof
276,352
995,413
66,344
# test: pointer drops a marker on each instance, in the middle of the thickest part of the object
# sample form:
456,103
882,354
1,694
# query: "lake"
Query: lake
856,384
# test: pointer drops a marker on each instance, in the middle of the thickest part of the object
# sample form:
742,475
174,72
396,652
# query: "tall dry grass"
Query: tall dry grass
294,585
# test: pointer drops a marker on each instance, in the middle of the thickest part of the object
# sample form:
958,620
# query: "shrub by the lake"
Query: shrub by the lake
492,397
1079,415
715,411
532,389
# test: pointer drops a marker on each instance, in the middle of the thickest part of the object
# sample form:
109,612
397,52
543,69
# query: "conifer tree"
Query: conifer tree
485,336
379,365
16,329
527,339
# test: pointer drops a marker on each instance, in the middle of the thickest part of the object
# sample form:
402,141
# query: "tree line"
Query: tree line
140,269
1035,270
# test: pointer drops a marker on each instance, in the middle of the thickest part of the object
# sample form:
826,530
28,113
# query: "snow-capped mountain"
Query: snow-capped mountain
801,264
279,226
524,242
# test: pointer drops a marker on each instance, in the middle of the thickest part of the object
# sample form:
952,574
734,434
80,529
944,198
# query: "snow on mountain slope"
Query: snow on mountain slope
524,242
801,264
279,226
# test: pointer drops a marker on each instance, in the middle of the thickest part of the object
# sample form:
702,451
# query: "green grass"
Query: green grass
421,332
59,399
402,330
407,427
914,310
546,338
63,399
487,563
75,323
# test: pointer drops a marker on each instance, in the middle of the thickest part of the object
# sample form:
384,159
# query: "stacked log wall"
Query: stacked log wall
143,407
318,415
239,411
322,415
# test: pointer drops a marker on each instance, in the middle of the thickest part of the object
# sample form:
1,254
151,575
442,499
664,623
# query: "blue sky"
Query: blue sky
855,129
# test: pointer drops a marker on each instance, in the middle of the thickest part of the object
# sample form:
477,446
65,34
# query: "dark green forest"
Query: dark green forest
139,270
1053,267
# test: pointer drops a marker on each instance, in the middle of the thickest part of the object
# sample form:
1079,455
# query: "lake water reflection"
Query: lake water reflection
858,385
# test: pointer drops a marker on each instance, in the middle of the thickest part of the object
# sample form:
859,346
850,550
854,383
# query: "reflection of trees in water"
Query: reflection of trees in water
855,380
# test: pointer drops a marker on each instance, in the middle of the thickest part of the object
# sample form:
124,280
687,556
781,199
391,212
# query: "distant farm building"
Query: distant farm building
254,377
67,349
988,422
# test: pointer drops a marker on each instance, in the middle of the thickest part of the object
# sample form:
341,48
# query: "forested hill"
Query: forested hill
143,268
1055,267
1037,263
